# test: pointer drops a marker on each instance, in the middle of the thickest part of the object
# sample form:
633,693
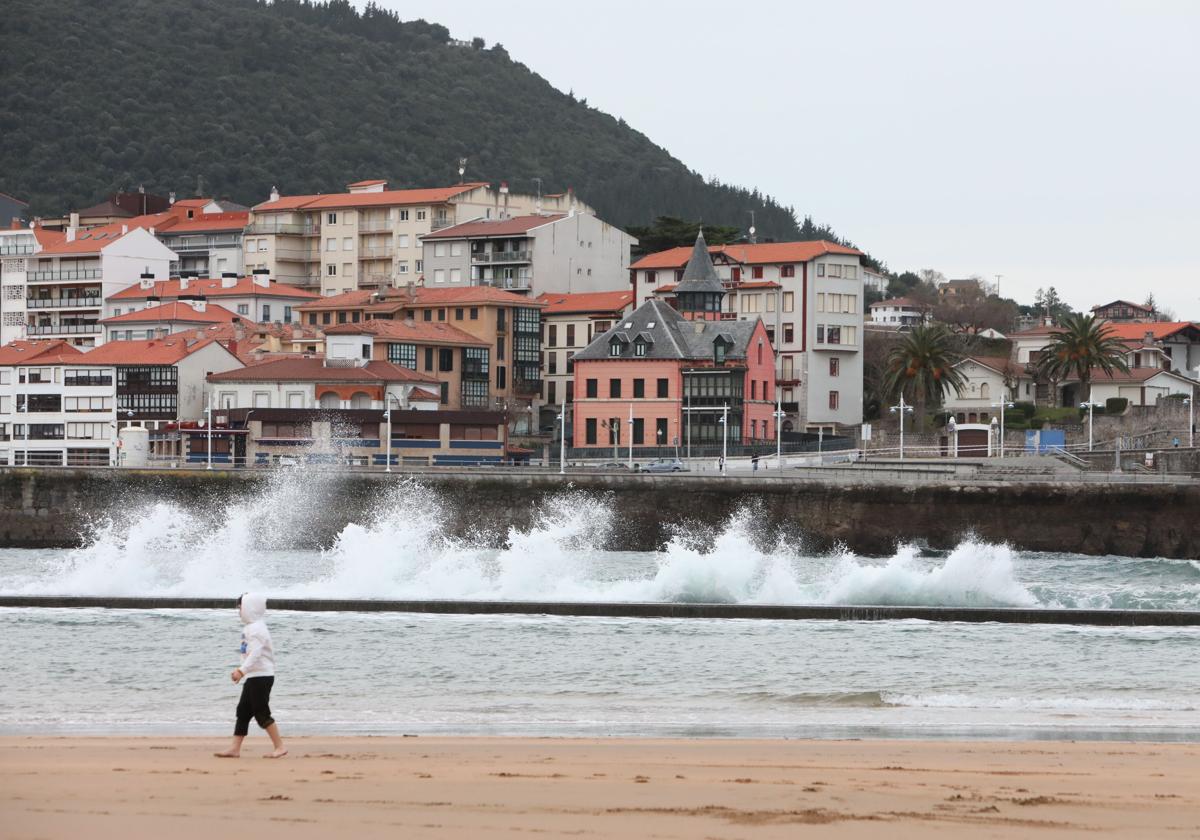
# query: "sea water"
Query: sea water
130,671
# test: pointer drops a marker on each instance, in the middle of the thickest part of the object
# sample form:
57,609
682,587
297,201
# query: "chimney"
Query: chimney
199,305
15,224
504,194
124,229
228,279
262,277
171,197
1148,338
160,332
146,281
409,321
274,193
72,227
232,346
199,336
183,283
571,201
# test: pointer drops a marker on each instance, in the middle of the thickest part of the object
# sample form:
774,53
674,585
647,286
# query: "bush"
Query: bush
1037,422
1026,408
1115,405
941,419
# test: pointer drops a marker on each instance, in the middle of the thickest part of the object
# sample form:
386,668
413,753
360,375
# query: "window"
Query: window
418,266
833,400
404,215
456,275
331,270
820,301
331,218
552,333
331,244
770,303
287,314
552,363
402,240
267,312
589,426
614,347
789,301
835,366
753,389
421,215
789,333
787,271
427,314
500,349
660,431
851,272
614,388
651,276
474,313
833,334
501,320
428,358
639,348
850,335
459,312
639,431
404,355
75,404
456,249
820,333
348,244
750,303
735,274
551,392
445,360
442,314
663,388
820,269
592,388
341,317
756,272
639,389
570,335
719,352
439,249
501,377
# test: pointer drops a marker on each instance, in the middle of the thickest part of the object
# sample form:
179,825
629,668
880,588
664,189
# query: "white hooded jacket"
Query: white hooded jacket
258,656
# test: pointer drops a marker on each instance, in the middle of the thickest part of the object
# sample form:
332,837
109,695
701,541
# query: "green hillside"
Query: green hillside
309,97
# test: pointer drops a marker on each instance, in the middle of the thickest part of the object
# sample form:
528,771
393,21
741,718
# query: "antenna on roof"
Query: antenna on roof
462,169
199,185
753,230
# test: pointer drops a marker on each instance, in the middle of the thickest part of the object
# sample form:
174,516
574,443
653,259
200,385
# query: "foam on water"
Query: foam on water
404,548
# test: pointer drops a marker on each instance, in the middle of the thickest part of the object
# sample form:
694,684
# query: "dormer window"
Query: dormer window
639,348
719,349
614,348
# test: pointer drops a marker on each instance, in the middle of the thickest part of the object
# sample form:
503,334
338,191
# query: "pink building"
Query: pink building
677,370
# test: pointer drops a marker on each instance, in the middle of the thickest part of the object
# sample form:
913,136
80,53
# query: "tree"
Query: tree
921,366
972,311
671,232
1077,348
1158,313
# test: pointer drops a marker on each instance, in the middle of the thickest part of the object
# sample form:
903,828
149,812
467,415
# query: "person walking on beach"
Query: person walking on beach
258,671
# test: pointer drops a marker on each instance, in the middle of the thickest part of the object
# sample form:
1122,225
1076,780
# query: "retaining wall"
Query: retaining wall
53,508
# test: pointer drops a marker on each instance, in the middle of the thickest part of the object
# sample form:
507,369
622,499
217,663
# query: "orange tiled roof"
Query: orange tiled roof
177,311
40,350
426,295
385,198
757,254
212,287
313,370
154,351
424,332
1160,329
584,302
494,227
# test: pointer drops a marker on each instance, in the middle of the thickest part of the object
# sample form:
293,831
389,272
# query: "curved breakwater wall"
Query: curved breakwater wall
55,508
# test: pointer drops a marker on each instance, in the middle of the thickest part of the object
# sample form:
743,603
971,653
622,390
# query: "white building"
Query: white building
899,313
810,297
54,284
165,319
989,380
256,298
205,236
568,253
1141,386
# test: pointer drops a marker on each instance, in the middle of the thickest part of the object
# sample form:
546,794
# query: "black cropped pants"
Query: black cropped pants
255,703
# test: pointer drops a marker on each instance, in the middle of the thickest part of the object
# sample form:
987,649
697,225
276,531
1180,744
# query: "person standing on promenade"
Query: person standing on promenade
258,671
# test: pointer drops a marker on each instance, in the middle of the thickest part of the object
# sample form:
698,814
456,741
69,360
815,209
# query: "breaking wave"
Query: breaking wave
404,549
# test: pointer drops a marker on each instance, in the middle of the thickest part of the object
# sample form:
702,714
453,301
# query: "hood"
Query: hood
254,607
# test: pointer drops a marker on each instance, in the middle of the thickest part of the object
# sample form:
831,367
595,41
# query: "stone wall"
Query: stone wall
53,508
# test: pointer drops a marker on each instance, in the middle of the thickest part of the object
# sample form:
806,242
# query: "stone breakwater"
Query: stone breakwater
55,508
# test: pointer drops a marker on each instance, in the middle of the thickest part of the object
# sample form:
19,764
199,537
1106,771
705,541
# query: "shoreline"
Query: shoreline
377,786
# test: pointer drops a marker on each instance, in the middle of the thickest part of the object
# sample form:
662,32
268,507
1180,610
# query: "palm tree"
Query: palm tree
922,367
1080,345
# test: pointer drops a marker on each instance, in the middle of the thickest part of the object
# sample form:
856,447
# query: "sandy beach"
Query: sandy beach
365,787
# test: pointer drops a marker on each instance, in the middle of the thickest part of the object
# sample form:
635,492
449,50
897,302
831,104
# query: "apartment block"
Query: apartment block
568,253
370,236
810,298
253,298
55,283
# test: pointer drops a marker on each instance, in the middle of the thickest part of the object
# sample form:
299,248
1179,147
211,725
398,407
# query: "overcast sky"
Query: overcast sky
1054,143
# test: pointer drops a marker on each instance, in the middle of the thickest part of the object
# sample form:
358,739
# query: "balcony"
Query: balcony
62,276
440,223
200,244
9,249
512,284
296,254
64,303
375,252
502,257
66,329
374,225
372,280
286,228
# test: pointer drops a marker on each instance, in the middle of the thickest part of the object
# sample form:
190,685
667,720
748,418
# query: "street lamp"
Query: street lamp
631,436
1190,403
1089,405
562,443
778,415
1001,405
902,408
724,421
208,421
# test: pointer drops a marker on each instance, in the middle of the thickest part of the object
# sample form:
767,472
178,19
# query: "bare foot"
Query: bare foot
279,753
228,754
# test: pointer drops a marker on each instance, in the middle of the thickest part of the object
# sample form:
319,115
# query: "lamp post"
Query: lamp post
387,452
724,421
208,421
1001,405
25,407
779,415
1089,405
1189,401
562,443
952,437
631,436
902,408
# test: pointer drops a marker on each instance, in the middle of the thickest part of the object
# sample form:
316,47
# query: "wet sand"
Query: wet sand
367,787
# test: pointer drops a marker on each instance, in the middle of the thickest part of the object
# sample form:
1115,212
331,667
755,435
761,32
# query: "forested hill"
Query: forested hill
100,96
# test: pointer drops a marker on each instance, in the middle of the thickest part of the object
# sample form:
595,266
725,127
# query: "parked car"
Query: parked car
665,465
612,465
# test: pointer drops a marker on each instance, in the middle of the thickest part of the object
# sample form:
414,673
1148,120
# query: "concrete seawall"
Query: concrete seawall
53,508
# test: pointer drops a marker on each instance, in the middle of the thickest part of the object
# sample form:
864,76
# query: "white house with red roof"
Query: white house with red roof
53,284
810,297
254,298
531,254
165,319
899,313
569,323
369,236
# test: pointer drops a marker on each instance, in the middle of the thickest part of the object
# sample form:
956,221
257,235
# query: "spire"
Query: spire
700,274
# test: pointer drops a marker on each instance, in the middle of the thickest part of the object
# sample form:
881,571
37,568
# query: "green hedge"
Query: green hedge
1115,405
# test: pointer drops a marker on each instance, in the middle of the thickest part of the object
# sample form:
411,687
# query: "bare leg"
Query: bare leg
235,750
276,741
